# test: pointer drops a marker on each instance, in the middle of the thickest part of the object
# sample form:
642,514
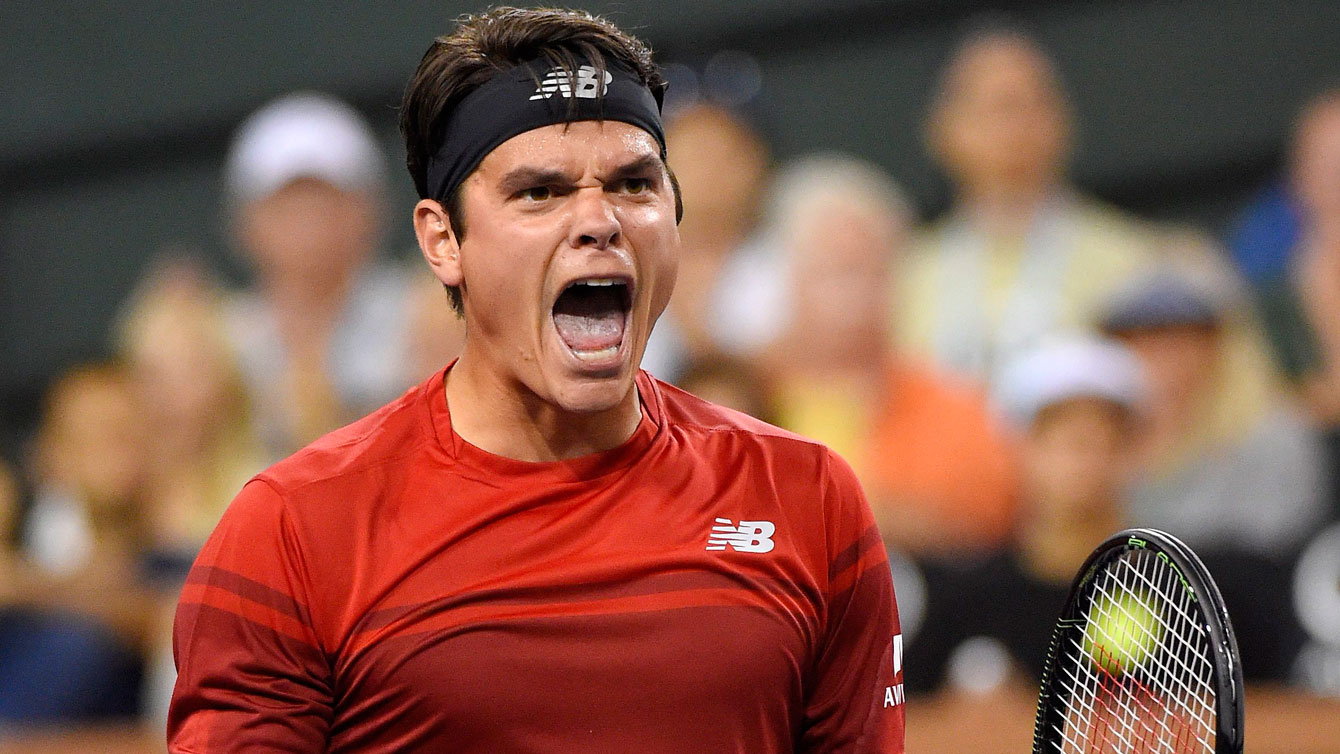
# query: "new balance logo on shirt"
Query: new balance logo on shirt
559,81
749,536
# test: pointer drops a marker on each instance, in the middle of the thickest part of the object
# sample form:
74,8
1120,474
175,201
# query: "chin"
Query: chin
592,395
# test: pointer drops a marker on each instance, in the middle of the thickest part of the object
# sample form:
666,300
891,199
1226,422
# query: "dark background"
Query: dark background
116,116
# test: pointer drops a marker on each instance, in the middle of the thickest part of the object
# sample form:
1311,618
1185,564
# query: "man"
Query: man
1207,462
323,336
1293,262
937,468
1022,255
542,548
1241,481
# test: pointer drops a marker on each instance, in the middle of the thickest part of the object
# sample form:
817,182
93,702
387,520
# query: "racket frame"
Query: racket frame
1228,686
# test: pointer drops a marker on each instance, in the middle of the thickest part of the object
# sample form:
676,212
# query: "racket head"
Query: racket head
1131,694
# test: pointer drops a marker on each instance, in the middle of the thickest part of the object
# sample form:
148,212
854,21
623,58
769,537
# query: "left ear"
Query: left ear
437,242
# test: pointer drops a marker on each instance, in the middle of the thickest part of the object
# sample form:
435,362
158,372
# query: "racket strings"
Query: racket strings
1131,721
1189,644
1186,665
1164,701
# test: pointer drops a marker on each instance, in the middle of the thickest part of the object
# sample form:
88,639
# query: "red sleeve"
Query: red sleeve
855,699
250,674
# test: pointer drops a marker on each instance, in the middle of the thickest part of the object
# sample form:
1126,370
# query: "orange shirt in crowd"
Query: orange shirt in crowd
938,469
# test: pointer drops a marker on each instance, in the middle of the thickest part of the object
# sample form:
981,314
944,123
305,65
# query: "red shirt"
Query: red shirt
713,584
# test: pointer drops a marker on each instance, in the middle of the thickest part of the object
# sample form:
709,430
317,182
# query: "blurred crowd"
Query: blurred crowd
1030,373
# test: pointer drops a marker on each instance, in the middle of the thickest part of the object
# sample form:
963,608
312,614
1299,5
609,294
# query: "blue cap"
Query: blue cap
1164,299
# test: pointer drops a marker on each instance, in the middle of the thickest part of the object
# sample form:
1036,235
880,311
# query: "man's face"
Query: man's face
568,258
1076,455
308,230
840,282
1003,118
1180,360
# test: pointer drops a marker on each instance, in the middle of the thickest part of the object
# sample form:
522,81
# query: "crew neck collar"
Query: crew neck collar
581,468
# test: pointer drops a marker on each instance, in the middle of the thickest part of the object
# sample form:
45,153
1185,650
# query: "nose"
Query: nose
594,223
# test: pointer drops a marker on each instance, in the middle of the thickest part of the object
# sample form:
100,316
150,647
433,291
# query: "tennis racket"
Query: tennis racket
1143,658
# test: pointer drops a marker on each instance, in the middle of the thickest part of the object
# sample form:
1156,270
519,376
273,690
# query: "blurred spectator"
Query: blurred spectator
727,291
1296,260
203,446
938,473
731,383
1219,472
324,336
91,460
1078,407
73,615
1021,255
436,333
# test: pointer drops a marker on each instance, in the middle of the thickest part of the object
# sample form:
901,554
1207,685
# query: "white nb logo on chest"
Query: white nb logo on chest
749,536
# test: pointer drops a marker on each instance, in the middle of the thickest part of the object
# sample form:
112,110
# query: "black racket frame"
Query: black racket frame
1223,644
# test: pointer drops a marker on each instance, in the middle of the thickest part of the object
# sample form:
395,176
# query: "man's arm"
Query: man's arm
250,672
854,699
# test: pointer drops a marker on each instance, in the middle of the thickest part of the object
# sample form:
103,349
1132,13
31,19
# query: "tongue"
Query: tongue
590,318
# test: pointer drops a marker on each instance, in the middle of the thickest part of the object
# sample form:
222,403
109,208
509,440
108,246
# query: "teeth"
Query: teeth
599,282
600,355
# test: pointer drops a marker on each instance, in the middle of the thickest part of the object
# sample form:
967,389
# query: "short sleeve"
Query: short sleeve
250,672
854,701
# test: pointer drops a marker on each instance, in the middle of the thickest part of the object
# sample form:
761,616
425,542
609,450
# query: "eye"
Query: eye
637,185
536,193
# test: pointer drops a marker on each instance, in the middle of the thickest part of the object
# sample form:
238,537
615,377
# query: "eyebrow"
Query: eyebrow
636,169
525,177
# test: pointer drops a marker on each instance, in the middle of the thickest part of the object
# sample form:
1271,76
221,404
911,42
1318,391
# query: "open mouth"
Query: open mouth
591,316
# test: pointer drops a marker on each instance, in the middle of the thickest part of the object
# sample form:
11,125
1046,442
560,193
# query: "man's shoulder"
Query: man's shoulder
393,433
703,421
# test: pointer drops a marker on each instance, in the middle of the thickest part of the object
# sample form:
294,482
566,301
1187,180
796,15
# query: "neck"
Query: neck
1006,207
305,307
1053,549
500,415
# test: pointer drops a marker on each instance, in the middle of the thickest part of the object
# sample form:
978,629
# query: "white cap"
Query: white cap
302,135
1061,370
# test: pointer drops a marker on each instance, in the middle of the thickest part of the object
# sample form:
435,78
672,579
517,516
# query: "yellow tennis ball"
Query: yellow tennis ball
1121,633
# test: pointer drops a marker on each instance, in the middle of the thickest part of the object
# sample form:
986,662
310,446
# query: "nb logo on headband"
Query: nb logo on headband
560,82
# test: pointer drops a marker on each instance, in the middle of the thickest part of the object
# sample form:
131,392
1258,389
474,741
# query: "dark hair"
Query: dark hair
484,44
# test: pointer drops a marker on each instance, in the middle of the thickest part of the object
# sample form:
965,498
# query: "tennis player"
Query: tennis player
542,548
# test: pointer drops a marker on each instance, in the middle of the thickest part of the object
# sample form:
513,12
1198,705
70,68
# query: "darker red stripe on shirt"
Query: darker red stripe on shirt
214,629
662,583
221,578
851,555
244,685
861,584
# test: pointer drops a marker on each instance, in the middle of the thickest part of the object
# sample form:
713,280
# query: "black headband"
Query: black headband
531,95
